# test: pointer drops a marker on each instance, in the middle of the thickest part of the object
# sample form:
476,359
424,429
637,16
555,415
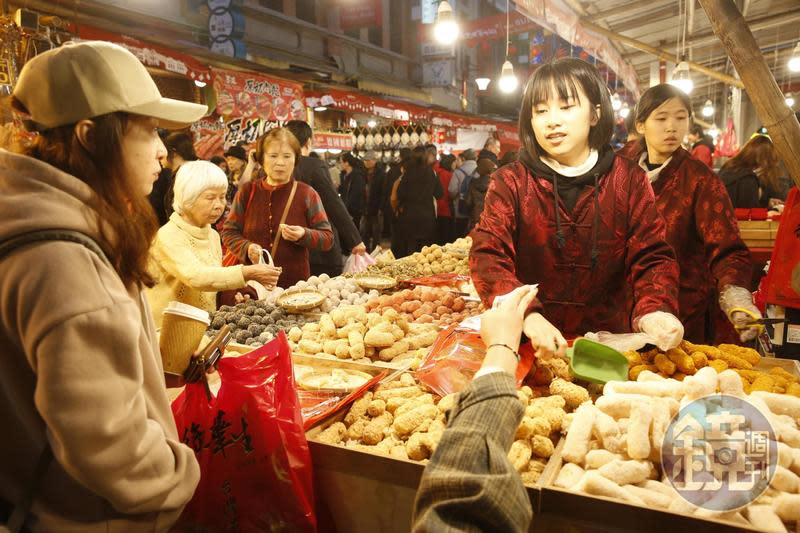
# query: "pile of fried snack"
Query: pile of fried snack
688,358
613,446
402,420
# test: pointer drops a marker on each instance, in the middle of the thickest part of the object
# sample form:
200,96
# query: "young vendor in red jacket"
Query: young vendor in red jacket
701,226
577,220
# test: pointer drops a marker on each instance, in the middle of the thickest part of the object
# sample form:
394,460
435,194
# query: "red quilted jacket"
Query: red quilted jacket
702,228
516,243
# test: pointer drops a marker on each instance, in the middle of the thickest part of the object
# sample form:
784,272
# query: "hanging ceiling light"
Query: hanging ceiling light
708,109
320,108
682,78
200,83
483,83
624,111
794,61
508,81
371,124
616,103
446,29
789,99
713,131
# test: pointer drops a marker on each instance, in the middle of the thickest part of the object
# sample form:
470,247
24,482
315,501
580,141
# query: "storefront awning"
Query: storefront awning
151,55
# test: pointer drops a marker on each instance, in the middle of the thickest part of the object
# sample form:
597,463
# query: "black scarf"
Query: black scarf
569,189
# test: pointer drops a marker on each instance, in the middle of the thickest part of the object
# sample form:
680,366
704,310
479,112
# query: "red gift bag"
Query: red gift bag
249,440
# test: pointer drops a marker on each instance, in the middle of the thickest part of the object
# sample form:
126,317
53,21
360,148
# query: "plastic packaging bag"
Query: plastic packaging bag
249,440
447,279
455,357
319,405
622,342
358,263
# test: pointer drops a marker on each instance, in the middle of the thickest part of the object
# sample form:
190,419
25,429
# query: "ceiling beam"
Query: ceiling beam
756,24
651,18
660,53
577,6
624,9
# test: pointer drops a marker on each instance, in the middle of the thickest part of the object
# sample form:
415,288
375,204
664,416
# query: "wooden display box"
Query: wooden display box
598,513
758,233
792,366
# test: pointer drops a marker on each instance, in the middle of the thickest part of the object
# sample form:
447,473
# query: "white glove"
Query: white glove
544,336
737,304
664,329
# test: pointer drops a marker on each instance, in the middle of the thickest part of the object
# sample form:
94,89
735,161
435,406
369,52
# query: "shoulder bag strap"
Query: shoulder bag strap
283,219
17,519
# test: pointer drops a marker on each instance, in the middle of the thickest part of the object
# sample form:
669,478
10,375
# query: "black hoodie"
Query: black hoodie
742,185
569,189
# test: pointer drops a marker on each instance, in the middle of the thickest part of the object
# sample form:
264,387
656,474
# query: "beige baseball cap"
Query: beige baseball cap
83,80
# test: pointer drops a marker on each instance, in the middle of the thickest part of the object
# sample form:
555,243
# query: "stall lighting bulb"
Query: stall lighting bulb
508,82
681,78
446,29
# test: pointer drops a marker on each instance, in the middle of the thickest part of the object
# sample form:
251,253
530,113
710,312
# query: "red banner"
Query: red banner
363,14
251,95
151,55
324,140
494,27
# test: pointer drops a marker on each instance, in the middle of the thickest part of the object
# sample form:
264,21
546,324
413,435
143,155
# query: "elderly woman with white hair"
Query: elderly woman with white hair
186,257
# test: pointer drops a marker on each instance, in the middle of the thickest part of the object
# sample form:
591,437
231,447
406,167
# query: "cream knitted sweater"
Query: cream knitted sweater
186,261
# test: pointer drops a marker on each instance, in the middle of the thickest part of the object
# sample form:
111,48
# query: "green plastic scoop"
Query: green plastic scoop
597,363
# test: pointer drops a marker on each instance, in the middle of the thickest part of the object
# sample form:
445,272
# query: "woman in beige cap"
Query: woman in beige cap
91,444
187,253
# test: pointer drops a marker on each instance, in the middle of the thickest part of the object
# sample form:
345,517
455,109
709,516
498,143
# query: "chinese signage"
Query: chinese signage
333,141
150,55
251,95
364,14
494,27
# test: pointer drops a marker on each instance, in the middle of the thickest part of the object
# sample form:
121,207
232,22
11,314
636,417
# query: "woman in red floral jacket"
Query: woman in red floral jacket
577,220
701,225
254,223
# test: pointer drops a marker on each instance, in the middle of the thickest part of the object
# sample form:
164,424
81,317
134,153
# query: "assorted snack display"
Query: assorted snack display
255,322
613,446
401,419
688,359
427,305
434,259
596,442
350,332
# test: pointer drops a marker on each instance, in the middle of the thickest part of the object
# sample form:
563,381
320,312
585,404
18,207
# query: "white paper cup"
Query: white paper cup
182,329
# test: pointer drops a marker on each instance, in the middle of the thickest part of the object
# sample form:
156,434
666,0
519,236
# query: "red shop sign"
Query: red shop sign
151,55
247,94
361,14
333,141
494,27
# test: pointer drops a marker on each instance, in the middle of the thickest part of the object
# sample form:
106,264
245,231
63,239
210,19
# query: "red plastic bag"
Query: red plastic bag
728,145
783,279
249,440
455,357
